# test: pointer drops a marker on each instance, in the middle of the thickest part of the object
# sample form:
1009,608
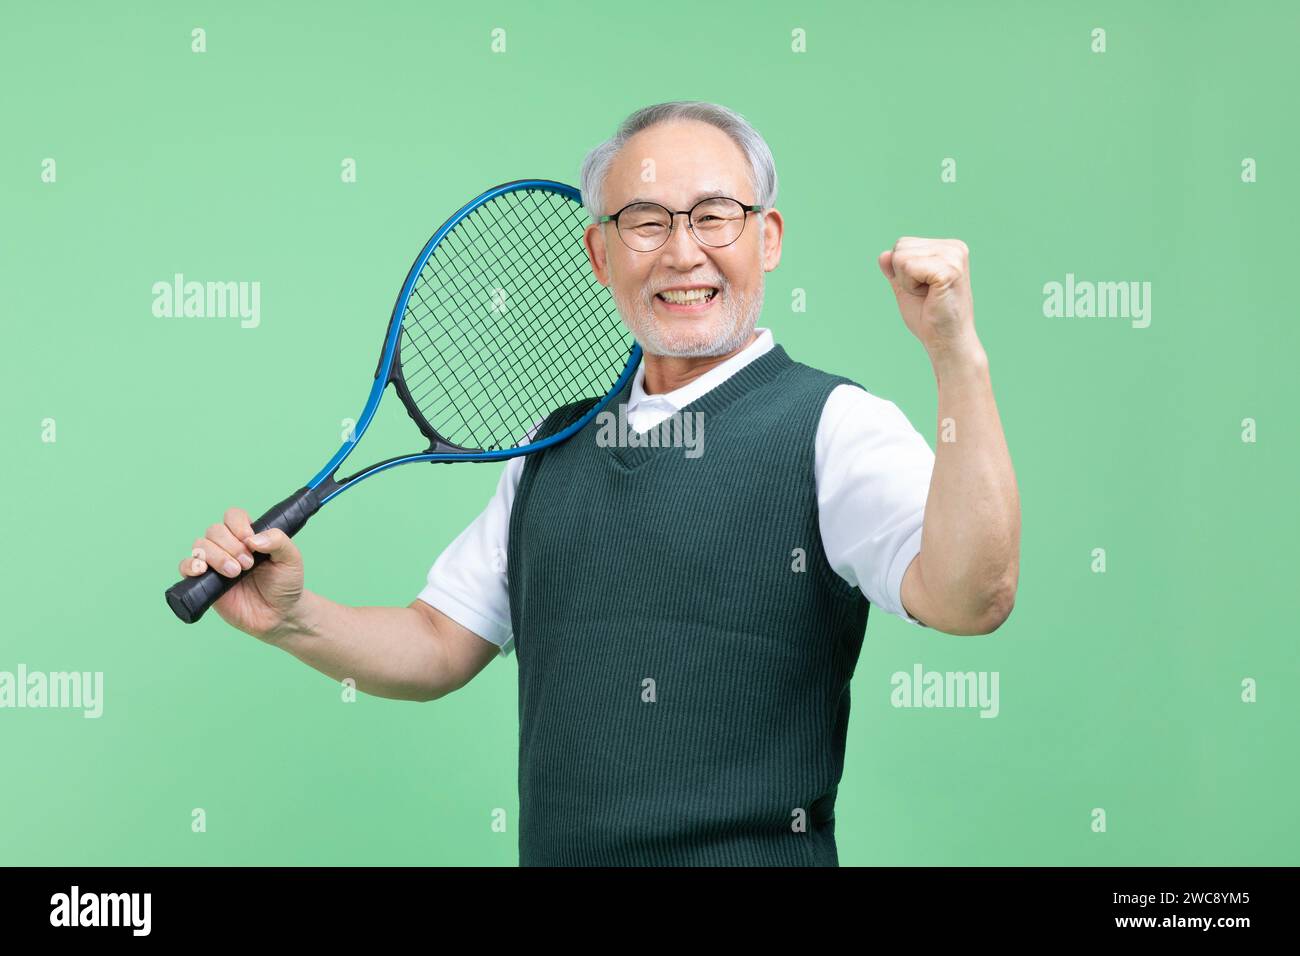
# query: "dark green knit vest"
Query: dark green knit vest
684,647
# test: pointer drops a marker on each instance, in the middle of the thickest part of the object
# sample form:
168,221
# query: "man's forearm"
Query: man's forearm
970,557
389,651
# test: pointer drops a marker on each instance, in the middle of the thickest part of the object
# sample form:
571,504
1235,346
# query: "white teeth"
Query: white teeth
687,297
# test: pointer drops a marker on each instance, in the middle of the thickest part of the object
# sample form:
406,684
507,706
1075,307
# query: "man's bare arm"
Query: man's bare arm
405,653
964,579
408,653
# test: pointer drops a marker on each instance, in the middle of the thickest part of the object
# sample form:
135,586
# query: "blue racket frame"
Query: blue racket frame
389,353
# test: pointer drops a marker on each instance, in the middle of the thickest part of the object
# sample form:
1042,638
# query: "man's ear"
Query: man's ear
593,240
773,230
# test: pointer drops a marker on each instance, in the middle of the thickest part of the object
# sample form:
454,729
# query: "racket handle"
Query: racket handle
190,597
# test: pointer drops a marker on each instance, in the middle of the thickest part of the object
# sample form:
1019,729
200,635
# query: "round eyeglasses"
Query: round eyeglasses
717,221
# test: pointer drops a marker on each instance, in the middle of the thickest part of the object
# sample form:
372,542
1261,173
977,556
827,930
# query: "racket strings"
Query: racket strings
578,283
506,322
552,267
551,264
495,391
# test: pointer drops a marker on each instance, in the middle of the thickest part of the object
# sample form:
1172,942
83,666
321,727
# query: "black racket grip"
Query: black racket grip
190,597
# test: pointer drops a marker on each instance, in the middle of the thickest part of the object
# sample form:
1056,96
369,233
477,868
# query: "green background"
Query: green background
1118,690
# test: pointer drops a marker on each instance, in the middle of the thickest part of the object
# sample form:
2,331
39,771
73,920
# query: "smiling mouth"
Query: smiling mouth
691,297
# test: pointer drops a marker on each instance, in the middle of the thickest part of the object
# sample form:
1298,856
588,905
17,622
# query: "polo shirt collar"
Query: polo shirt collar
681,397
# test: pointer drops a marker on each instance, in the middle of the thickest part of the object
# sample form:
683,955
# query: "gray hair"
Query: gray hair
762,166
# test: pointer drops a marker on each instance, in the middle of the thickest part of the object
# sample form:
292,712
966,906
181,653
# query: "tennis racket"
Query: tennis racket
499,322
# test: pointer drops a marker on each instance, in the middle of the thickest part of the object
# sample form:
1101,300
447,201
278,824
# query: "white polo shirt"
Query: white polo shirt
872,472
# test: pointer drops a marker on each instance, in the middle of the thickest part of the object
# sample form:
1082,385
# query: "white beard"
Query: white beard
729,331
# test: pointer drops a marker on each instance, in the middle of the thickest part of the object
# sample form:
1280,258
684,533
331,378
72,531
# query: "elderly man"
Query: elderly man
686,626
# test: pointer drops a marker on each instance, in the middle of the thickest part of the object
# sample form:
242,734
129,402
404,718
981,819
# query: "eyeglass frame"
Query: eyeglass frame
672,220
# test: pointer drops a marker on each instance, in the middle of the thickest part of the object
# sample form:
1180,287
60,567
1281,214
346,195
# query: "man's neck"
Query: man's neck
667,373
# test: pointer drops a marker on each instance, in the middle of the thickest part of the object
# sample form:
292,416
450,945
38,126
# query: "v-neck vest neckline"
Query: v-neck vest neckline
748,377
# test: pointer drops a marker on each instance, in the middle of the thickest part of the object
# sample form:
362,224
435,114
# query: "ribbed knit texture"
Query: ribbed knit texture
629,565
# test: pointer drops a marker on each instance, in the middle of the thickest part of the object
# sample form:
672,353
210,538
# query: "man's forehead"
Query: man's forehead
678,163
677,191
689,197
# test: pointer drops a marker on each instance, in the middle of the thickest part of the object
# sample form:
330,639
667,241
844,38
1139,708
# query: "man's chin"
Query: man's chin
689,339
684,336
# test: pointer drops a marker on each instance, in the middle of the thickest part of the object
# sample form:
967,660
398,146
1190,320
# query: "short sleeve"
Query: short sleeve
468,580
873,479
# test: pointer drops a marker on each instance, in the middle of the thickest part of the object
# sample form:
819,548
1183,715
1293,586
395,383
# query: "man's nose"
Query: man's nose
682,250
